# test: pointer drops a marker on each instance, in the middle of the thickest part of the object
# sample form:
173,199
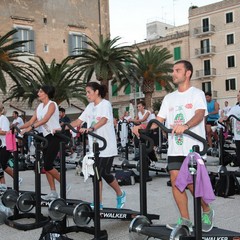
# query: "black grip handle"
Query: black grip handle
40,138
90,133
187,132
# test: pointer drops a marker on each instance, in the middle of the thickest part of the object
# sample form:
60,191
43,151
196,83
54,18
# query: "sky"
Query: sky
128,18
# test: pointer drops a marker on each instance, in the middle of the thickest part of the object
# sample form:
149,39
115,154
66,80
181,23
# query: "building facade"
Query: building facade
211,42
57,28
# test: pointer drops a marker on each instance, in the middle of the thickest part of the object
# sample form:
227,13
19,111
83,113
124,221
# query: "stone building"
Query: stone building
56,27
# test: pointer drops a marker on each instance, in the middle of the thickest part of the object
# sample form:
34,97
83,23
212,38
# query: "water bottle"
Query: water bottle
32,149
192,165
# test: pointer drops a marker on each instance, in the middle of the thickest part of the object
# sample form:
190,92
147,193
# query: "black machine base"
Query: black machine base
56,227
161,232
12,221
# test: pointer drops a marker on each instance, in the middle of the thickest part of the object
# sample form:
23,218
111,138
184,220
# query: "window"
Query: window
76,42
230,84
205,25
158,86
207,87
114,90
127,90
207,67
25,34
231,61
45,48
230,39
177,53
205,46
229,17
115,113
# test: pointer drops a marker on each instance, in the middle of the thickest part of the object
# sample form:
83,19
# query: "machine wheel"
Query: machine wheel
23,207
179,232
136,227
53,212
81,216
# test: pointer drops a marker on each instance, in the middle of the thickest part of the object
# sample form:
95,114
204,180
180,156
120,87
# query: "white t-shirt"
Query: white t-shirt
91,115
4,126
19,121
226,110
52,123
178,108
235,110
141,116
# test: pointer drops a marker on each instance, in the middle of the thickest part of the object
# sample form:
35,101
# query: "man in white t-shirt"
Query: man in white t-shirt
225,109
181,110
17,121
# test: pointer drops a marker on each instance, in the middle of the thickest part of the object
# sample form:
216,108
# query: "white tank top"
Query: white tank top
52,123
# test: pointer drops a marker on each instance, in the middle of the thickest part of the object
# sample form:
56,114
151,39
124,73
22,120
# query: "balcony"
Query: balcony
205,52
204,31
137,95
208,73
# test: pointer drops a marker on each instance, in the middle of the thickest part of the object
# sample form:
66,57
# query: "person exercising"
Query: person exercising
99,118
181,110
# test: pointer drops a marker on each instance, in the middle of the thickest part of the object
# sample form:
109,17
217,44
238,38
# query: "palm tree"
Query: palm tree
151,66
106,59
60,75
9,62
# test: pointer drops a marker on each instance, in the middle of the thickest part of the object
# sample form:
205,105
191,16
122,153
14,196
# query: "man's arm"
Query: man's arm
194,121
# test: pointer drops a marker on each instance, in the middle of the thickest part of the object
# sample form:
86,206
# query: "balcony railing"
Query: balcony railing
203,31
137,95
206,51
206,73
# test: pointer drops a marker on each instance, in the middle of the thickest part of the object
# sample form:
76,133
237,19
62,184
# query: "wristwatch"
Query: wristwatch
32,126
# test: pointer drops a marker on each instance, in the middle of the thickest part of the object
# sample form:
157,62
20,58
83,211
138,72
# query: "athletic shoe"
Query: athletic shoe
121,200
207,220
3,187
20,181
181,222
51,196
92,206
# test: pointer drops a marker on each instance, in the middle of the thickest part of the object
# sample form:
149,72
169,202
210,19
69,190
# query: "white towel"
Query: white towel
87,166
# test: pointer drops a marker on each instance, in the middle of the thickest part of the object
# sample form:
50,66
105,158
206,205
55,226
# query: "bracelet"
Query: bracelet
32,126
187,126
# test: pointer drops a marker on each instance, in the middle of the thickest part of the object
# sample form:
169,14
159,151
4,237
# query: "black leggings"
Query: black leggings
104,168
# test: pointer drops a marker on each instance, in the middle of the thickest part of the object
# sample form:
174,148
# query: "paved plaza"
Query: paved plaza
160,201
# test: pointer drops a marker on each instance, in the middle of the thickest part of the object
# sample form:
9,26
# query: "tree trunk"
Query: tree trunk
148,100
106,83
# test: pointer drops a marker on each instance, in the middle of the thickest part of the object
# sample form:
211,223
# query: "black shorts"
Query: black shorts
175,162
212,123
50,153
4,157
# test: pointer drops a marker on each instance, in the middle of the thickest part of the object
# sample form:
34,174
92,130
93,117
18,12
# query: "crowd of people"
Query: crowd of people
186,108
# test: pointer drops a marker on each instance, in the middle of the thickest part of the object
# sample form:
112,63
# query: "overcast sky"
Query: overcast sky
128,18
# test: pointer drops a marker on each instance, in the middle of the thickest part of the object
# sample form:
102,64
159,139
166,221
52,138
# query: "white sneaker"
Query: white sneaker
51,196
20,180
3,187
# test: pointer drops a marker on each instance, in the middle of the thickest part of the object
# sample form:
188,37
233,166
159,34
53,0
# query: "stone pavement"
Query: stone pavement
160,201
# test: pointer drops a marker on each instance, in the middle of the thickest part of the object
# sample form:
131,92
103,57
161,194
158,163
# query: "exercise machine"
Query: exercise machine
141,227
26,201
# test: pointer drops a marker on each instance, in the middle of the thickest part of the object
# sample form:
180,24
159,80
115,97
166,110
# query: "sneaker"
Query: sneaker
3,187
207,220
181,221
68,188
92,206
51,196
20,181
121,200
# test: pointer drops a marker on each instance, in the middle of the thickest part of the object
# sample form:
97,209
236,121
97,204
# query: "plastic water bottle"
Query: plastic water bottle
192,165
32,149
